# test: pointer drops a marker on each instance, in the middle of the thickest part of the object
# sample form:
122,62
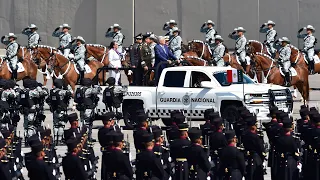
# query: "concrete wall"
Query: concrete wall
91,18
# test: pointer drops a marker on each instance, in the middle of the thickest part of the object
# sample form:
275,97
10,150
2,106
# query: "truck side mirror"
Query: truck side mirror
207,84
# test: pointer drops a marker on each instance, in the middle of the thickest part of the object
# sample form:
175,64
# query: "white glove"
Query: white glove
299,166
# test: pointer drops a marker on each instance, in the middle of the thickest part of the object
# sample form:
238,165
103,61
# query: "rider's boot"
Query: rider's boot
311,64
14,74
244,66
81,76
287,79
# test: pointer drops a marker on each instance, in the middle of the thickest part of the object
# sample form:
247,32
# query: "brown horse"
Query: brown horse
195,61
269,67
202,49
257,46
62,66
30,68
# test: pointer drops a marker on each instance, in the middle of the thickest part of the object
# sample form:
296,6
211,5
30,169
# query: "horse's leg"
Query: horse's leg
295,93
306,92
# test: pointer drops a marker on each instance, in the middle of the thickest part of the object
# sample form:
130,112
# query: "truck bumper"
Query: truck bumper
262,112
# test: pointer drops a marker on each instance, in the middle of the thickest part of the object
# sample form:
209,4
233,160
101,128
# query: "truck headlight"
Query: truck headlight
248,98
253,99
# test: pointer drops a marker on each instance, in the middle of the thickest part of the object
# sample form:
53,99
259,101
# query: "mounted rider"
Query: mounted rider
168,27
12,48
240,47
219,51
308,45
284,58
175,42
80,55
33,36
64,39
117,36
210,32
271,36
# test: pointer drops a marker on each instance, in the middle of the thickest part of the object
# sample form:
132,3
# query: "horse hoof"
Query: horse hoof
301,99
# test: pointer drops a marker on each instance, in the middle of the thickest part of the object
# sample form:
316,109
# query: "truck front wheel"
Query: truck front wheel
230,113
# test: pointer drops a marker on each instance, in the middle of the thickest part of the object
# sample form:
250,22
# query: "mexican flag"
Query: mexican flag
234,75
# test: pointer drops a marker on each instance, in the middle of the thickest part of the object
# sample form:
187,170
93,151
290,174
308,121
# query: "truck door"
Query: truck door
170,93
201,98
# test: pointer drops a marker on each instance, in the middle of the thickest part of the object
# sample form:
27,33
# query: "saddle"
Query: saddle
292,71
20,67
248,59
87,68
315,58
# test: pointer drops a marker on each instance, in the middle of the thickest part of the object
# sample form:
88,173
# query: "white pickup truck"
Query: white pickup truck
194,89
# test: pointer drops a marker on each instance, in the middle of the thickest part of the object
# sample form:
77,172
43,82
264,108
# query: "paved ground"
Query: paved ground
314,100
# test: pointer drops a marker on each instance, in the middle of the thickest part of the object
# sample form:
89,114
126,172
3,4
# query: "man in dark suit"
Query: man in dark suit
162,53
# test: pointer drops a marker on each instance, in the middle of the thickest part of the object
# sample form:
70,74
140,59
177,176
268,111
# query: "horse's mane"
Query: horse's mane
293,47
96,45
48,47
197,41
197,58
256,41
265,55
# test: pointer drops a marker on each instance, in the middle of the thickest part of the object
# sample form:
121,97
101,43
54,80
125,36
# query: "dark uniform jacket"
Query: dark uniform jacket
148,164
73,167
4,171
39,170
178,148
137,136
119,165
217,141
198,161
135,56
233,160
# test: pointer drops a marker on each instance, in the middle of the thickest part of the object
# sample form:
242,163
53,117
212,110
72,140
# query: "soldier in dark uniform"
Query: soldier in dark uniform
135,60
173,131
314,172
217,142
102,137
254,150
37,168
72,165
206,128
272,129
232,160
161,151
287,152
4,163
74,130
119,164
178,150
142,129
148,165
198,163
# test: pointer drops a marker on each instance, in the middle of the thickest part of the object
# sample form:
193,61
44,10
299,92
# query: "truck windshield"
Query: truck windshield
222,79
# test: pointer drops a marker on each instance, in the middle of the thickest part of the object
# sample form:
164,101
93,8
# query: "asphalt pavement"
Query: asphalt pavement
61,150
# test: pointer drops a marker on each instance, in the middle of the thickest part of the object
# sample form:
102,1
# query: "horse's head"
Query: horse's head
195,46
96,50
250,49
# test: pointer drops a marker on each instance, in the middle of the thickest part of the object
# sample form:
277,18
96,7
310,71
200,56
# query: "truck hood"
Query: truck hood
252,88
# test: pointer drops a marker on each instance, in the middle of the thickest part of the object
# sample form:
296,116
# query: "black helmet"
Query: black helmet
9,84
86,82
111,81
58,83
26,83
